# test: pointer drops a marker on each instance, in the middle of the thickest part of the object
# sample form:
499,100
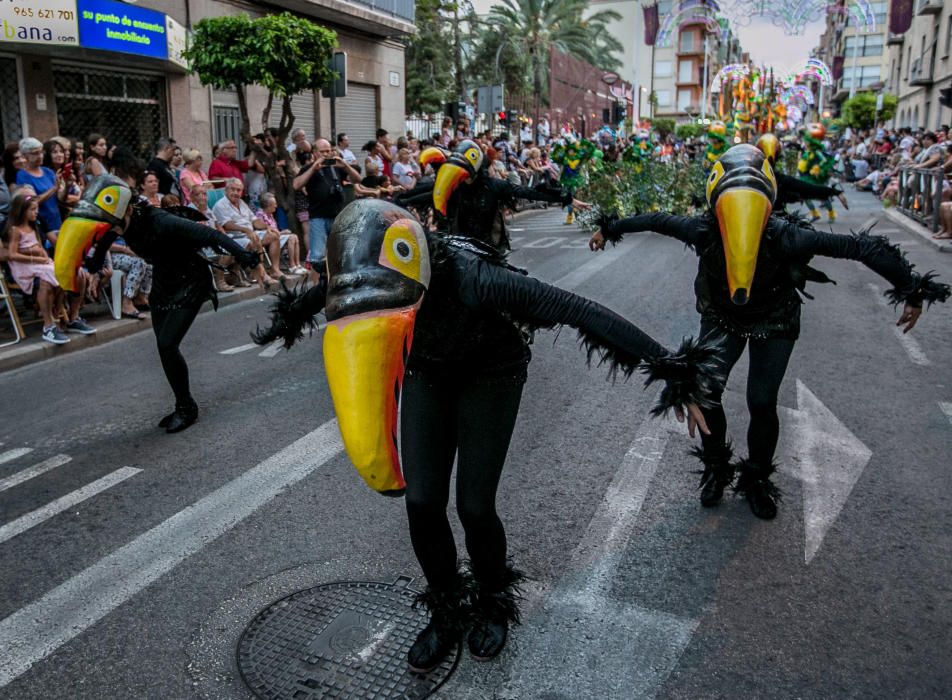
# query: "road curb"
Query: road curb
921,231
33,350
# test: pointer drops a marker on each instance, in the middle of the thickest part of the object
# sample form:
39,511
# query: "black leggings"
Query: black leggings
768,364
170,328
440,417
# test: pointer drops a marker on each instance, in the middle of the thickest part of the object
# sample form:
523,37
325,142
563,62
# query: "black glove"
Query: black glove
248,258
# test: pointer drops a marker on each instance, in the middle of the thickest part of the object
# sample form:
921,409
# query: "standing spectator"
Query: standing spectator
370,148
177,163
13,162
403,173
383,150
225,165
287,240
343,146
4,204
161,165
149,188
543,130
298,136
44,183
374,184
256,183
248,230
55,158
77,156
192,174
323,181
446,132
96,147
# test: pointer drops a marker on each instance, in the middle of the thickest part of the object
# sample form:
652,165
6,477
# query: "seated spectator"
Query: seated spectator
287,240
192,174
932,154
224,263
371,148
945,219
248,230
149,188
403,172
96,149
374,184
13,161
46,185
170,200
29,264
137,280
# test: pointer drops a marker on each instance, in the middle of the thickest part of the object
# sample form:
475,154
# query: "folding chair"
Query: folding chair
7,299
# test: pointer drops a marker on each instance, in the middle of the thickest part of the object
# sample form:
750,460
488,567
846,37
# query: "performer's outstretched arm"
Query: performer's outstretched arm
198,236
292,313
690,374
879,255
793,189
690,230
509,190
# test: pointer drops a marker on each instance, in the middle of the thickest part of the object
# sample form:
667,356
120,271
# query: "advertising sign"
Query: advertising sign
50,22
178,40
114,26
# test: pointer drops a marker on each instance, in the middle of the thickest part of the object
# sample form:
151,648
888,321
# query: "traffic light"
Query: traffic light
606,116
619,113
945,97
501,117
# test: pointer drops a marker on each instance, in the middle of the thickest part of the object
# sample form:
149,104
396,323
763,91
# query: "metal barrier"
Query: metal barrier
920,194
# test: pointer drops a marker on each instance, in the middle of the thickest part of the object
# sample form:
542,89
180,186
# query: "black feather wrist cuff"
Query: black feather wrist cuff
690,375
924,289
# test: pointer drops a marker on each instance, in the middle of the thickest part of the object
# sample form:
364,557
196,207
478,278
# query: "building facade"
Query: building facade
99,66
920,64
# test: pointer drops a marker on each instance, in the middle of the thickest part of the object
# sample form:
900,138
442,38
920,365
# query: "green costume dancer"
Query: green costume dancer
816,166
572,157
717,143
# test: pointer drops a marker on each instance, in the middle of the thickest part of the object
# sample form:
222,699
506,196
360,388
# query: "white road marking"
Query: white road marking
34,632
544,242
909,344
598,263
272,349
831,461
40,515
37,469
11,455
240,348
515,239
946,409
516,229
633,648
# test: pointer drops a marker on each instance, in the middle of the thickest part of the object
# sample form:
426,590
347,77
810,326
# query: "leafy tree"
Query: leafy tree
688,131
664,126
429,74
859,111
282,53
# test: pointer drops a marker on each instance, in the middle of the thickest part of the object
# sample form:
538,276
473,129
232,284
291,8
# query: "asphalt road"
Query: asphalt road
130,560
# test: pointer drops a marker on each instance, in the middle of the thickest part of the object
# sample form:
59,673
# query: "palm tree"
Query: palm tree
536,27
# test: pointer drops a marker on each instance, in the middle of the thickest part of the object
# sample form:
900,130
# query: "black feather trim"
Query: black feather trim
922,290
501,601
293,312
615,357
452,605
750,472
717,464
691,374
606,222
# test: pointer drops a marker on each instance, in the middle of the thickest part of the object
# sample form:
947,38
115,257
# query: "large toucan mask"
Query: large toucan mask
741,190
771,147
378,268
461,166
102,207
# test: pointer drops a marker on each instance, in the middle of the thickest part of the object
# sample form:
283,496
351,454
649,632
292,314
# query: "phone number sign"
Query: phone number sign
50,22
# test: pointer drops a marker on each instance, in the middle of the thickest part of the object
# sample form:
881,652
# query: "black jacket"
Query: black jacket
791,190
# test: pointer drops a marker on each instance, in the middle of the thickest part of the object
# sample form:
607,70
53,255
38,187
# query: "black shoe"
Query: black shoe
712,491
164,423
495,605
184,416
760,496
487,638
717,475
432,645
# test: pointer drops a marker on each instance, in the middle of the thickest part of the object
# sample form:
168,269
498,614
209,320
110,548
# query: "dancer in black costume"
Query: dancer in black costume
738,307
181,278
464,377
794,190
468,200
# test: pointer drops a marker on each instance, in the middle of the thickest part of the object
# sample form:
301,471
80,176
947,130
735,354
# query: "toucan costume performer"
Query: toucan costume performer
465,311
792,190
717,143
752,268
181,278
572,156
816,166
468,201
638,151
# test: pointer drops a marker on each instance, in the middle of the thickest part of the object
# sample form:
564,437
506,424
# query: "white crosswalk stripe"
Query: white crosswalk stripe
11,455
240,348
35,517
272,349
34,471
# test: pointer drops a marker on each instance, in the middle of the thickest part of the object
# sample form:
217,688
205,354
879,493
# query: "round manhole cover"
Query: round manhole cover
338,640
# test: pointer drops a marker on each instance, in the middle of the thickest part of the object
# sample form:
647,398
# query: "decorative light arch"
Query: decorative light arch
732,71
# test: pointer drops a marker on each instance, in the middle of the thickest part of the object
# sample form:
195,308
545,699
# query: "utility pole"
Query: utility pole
854,78
704,81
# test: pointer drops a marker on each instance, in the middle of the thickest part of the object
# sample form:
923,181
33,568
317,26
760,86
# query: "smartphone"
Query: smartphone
67,171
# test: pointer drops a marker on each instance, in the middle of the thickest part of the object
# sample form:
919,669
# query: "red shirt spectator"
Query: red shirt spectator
225,165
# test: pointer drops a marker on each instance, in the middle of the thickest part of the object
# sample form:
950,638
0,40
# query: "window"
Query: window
867,75
687,41
686,72
664,8
948,37
664,98
879,12
662,69
869,45
684,100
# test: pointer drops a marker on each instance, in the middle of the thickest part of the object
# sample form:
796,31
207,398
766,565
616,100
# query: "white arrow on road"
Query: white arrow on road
831,458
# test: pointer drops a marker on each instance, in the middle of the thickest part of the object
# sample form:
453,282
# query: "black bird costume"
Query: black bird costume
793,190
736,238
181,278
465,310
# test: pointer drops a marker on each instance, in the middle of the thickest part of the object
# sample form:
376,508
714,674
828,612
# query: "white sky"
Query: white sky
768,45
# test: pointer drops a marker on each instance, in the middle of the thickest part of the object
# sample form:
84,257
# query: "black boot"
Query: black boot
717,475
185,414
164,423
754,482
494,607
449,617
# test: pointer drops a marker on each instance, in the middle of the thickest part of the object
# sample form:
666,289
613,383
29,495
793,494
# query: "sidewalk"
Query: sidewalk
33,349
913,226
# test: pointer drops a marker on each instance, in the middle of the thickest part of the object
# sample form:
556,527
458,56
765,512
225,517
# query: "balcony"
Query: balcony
920,72
377,17
928,7
895,38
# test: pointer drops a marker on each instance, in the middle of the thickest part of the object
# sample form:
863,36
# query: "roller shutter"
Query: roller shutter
357,115
302,105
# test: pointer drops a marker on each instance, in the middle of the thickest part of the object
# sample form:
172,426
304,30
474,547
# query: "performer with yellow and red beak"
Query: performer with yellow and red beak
752,269
442,318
